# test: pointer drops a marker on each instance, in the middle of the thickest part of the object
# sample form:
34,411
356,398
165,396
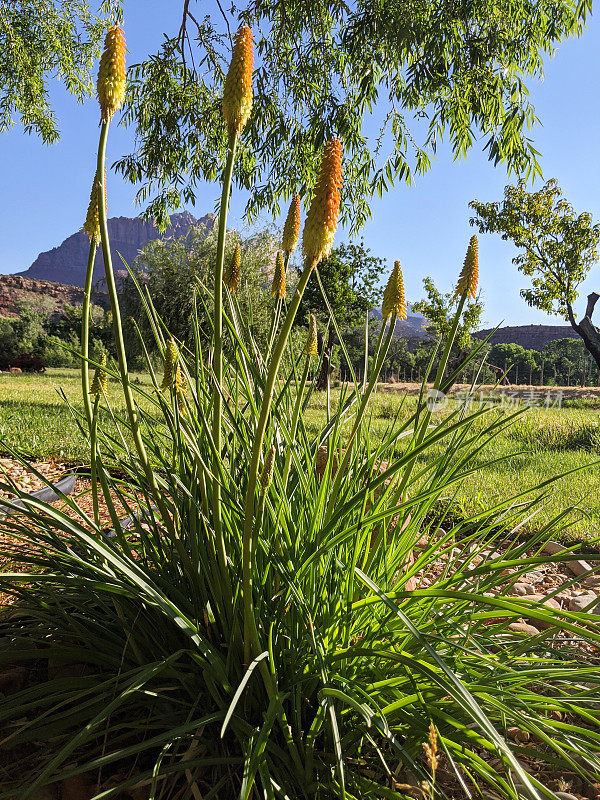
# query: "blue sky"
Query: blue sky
425,226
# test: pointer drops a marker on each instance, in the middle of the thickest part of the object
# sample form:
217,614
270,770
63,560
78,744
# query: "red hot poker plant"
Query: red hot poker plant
111,76
322,218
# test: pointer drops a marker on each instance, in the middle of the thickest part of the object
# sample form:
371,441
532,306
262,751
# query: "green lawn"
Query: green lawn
35,418
543,442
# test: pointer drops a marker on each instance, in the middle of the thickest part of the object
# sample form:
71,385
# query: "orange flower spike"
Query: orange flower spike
394,300
237,91
291,229
322,218
232,274
111,75
469,276
278,285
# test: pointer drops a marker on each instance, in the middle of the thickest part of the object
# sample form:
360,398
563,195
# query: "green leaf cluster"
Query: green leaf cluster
41,41
421,72
557,246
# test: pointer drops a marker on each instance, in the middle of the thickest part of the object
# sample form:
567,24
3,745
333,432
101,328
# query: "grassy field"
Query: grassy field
543,442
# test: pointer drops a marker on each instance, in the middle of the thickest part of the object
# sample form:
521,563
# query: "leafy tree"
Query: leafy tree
351,280
569,361
399,359
557,249
173,270
439,309
42,40
458,69
514,360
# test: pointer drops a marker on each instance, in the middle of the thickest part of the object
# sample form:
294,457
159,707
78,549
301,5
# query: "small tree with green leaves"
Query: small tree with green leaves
440,309
350,278
557,248
514,361
176,272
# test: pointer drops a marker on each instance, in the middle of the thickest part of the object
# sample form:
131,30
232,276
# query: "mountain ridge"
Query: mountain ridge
67,262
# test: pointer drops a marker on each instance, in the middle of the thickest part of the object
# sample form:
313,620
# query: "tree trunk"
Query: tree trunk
326,368
588,331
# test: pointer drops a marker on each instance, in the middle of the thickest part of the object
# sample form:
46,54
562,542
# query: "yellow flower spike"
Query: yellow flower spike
393,295
170,364
180,389
469,276
311,345
291,229
111,75
92,220
232,274
266,476
278,285
100,382
180,381
322,218
237,92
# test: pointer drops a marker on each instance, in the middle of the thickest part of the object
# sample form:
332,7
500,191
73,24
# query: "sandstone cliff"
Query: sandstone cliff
67,263
531,337
46,297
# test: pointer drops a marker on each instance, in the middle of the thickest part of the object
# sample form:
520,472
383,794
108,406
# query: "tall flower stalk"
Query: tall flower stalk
237,106
92,227
319,231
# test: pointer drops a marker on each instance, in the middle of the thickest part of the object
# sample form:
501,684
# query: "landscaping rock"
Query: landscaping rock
579,566
523,627
549,602
588,601
591,582
518,735
565,796
521,589
553,548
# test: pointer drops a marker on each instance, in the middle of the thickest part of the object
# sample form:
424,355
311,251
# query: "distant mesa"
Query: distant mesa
67,263
531,337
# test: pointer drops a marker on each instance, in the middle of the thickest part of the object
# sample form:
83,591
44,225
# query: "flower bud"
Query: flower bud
100,382
291,229
232,273
393,295
278,285
322,218
170,363
237,92
266,476
310,346
467,280
92,220
111,76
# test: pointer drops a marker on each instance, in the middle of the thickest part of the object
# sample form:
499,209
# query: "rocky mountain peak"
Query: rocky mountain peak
67,262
